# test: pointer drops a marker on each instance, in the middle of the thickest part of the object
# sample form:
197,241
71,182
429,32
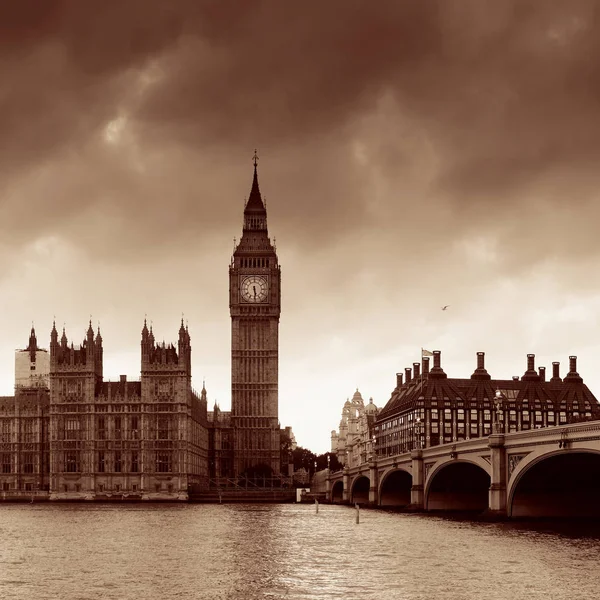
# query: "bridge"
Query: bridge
548,472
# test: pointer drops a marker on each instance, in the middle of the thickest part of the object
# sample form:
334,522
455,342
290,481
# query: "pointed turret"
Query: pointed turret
63,339
255,213
90,332
32,346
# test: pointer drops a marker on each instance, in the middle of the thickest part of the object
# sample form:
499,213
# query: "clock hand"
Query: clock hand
254,288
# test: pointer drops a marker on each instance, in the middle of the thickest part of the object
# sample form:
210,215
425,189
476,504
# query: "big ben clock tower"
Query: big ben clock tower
255,306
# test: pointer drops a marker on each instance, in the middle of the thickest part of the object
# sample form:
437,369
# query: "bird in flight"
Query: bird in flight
445,307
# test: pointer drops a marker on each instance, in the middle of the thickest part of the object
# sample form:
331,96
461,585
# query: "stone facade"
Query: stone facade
69,435
255,307
353,444
83,438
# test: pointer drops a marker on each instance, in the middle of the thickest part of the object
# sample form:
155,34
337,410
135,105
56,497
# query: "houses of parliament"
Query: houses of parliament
67,434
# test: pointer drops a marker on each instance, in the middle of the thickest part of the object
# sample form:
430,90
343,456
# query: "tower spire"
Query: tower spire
255,204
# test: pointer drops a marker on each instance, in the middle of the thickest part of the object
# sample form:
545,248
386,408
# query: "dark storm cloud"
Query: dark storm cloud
504,93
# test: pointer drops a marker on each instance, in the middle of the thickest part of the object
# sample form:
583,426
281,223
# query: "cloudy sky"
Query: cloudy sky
412,155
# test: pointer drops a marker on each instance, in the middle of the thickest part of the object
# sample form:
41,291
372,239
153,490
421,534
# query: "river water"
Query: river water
152,552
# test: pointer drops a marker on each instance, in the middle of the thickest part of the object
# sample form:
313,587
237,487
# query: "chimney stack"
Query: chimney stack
481,360
407,372
426,365
398,379
531,362
542,371
437,359
573,375
417,369
480,372
555,371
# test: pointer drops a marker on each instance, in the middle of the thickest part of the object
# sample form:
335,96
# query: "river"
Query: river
288,551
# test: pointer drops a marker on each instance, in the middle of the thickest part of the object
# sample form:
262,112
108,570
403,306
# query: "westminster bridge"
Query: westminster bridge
549,472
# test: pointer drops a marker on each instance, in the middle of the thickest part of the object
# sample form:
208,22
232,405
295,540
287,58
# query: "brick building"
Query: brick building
429,408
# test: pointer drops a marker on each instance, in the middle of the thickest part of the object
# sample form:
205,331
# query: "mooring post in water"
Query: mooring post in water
316,506
357,513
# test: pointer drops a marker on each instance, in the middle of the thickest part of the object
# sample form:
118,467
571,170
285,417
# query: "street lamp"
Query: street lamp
499,404
418,433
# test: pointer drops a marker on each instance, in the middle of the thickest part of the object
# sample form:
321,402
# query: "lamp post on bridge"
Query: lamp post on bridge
499,405
418,432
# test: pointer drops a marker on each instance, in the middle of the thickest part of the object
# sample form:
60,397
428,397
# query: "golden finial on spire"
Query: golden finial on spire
255,158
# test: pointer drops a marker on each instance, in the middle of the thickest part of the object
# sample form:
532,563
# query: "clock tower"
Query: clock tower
255,306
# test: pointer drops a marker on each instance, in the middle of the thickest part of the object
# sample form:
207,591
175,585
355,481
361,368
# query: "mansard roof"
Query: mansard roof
530,390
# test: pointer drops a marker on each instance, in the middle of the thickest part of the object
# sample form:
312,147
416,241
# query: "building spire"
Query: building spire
255,203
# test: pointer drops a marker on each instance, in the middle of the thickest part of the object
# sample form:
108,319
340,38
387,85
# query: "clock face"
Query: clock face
254,288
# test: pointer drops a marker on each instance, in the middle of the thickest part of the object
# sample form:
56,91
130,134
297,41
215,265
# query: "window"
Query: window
72,429
487,415
100,487
5,430
117,462
101,428
28,430
562,417
6,462
550,416
134,487
525,415
163,428
163,462
117,487
134,428
28,462
117,428
460,414
71,462
5,486
134,462
434,414
101,462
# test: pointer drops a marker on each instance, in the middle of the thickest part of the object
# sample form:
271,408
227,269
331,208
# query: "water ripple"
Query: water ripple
257,552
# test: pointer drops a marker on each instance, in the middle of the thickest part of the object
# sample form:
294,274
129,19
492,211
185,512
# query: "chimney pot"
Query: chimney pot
556,370
542,371
481,360
515,378
123,378
426,365
573,364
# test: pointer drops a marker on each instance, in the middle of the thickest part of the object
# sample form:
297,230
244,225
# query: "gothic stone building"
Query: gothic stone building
247,439
68,434
353,443
83,438
429,408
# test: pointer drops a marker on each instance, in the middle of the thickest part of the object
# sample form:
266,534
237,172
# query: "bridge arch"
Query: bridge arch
395,487
559,483
337,492
359,490
458,485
